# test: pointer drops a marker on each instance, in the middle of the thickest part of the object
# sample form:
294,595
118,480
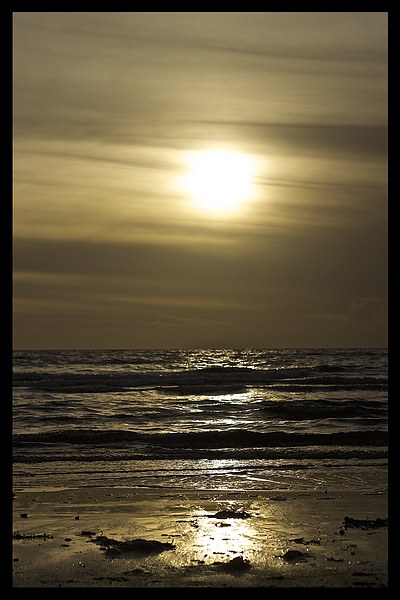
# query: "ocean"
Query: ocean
281,419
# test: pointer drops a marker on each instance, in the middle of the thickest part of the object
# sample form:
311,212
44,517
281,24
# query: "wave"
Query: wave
375,455
237,438
327,409
199,380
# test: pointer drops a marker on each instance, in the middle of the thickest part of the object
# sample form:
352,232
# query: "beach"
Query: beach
200,469
175,538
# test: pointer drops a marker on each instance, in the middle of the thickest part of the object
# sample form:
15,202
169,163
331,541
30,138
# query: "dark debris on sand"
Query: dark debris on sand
301,540
230,514
18,535
365,523
117,548
294,556
237,564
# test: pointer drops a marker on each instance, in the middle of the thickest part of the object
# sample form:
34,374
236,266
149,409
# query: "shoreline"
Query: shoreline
110,537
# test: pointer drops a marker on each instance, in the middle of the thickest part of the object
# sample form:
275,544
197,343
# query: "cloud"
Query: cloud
125,77
365,310
308,137
166,320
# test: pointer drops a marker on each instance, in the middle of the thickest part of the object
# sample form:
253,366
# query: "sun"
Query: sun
219,181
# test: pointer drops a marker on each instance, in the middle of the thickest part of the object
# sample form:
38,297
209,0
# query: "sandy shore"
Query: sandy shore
97,537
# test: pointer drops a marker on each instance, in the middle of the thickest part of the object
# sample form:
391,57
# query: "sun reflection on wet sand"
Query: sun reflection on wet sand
273,538
210,536
219,539
272,524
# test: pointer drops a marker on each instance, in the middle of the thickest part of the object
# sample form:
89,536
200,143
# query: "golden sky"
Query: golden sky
200,179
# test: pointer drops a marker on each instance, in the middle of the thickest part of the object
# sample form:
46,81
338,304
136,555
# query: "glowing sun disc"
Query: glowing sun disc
219,180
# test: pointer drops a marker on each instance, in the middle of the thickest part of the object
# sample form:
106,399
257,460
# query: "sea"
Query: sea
234,419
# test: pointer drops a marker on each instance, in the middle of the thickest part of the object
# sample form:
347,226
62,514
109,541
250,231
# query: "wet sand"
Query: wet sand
98,537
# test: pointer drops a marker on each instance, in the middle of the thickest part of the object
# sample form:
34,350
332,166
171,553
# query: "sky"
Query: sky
199,180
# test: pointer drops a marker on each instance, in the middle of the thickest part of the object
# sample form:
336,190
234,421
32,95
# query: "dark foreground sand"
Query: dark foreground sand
75,538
